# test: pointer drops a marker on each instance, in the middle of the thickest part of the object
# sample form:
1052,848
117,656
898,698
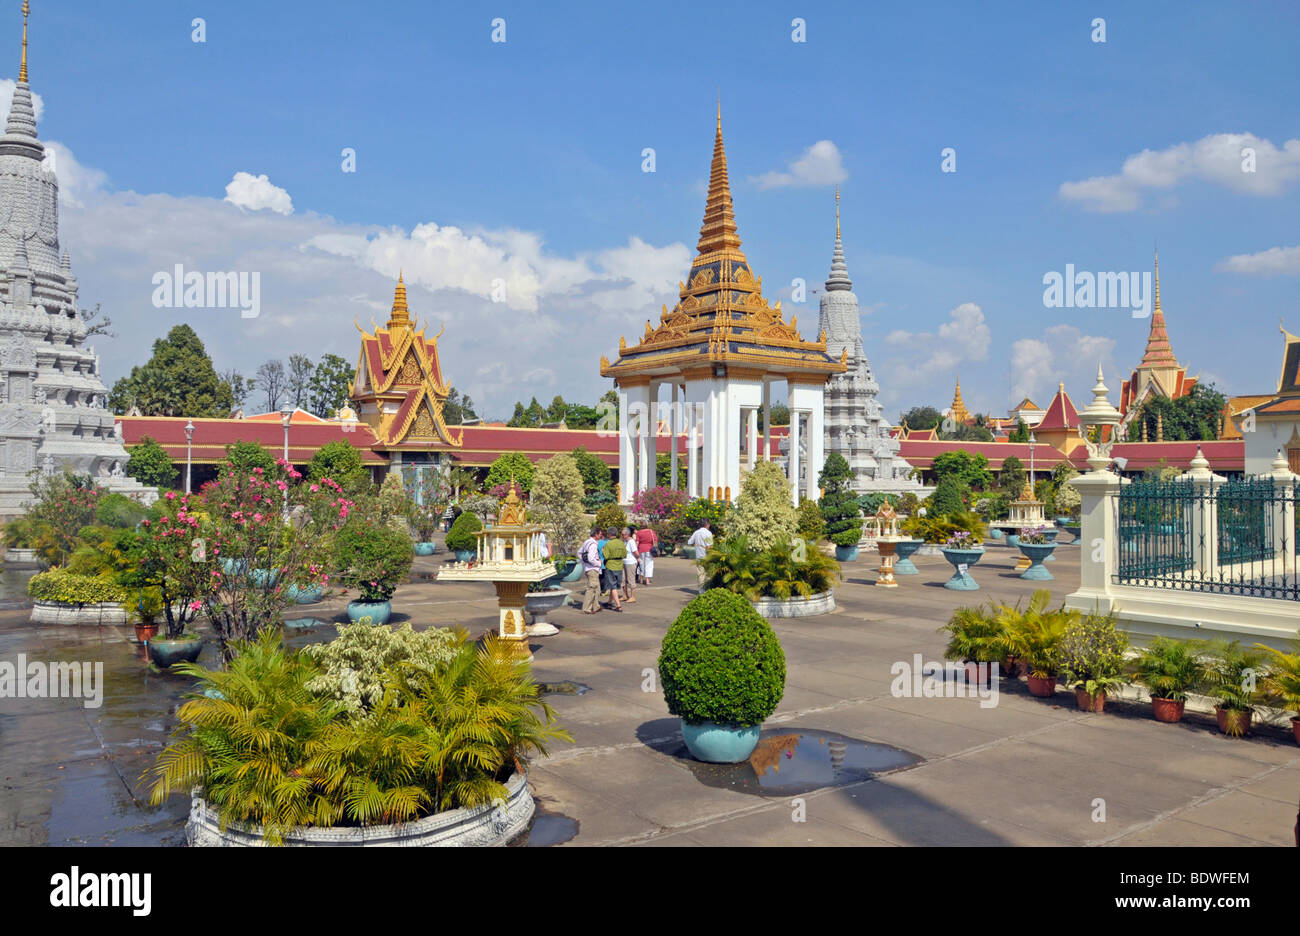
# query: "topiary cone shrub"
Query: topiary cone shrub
839,505
721,662
461,535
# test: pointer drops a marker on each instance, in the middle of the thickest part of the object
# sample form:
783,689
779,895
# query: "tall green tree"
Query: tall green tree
1198,415
971,470
240,387
764,514
1020,433
298,380
329,385
178,380
921,417
840,508
1011,479
271,378
557,410
511,465
150,465
596,475
458,408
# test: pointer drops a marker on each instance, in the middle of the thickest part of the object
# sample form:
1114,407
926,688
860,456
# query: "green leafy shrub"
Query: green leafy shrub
119,511
1034,635
839,505
242,457
993,507
1169,668
870,503
341,462
611,516
1091,653
781,571
593,502
939,529
149,464
70,588
909,503
721,662
1282,681
977,635
512,466
19,533
1231,675
695,512
557,500
264,749
372,559
951,496
812,525
354,665
461,535
764,514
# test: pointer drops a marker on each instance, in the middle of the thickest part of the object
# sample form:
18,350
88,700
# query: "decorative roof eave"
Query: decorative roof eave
417,399
766,359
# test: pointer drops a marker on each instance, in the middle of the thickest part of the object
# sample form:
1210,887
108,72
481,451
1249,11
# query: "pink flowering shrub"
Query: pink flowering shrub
232,551
659,503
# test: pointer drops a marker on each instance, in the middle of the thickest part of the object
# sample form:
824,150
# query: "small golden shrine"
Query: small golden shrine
509,555
399,391
1026,511
887,534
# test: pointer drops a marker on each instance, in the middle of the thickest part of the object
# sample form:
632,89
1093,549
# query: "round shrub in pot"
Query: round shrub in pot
723,672
373,559
461,539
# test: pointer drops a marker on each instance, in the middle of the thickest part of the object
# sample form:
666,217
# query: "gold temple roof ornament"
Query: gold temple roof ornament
958,410
721,316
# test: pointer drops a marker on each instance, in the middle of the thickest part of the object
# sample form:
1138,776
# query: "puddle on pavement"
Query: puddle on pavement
304,624
567,687
547,829
13,587
787,763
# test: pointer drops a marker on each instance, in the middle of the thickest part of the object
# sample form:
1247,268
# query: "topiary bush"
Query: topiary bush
461,535
611,515
839,504
373,559
70,588
764,514
951,496
812,525
354,665
721,662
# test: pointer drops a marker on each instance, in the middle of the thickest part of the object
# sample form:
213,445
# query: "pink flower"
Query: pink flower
314,488
257,518
195,605
170,495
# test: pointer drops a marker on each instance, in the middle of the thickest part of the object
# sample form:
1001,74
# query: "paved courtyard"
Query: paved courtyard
1026,771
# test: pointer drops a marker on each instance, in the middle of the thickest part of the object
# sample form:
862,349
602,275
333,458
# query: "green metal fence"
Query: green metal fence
1235,538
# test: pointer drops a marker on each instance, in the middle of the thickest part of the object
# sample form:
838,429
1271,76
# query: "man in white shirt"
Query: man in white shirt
701,539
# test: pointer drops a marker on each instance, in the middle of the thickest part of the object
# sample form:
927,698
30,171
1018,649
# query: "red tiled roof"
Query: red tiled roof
1060,414
921,453
1222,454
211,436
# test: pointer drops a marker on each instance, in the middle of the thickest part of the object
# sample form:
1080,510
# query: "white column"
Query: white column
793,469
767,420
674,426
1098,541
752,448
634,402
732,401
816,442
626,454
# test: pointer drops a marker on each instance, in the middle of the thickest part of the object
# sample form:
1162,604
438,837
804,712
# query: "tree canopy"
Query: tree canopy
150,465
921,417
328,388
1198,415
971,470
511,466
178,380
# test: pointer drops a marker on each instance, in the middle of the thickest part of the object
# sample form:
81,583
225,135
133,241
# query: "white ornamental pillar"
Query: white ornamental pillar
674,427
793,469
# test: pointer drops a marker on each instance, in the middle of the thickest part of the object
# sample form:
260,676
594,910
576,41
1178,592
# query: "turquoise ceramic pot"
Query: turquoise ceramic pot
846,553
996,533
425,549
263,578
720,744
962,581
1073,530
233,566
1050,536
573,574
905,549
304,594
1036,553
1013,540
377,611
465,555
164,652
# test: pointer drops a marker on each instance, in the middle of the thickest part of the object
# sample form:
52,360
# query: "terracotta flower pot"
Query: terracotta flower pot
1168,710
146,632
1042,686
1234,722
1295,728
978,674
1090,703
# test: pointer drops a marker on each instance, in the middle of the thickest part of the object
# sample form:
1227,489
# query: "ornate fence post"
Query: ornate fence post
1284,519
1202,546
1098,491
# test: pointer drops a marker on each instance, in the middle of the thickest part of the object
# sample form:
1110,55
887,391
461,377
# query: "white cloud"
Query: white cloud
1220,159
7,86
1271,262
820,164
256,192
1063,354
559,314
76,182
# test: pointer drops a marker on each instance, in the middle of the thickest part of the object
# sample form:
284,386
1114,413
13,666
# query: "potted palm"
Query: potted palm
1169,669
1283,681
1033,636
723,672
975,637
1231,678
1091,654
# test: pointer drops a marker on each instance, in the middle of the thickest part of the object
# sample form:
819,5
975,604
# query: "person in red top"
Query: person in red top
646,541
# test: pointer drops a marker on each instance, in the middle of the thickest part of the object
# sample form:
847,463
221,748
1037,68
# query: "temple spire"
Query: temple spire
839,278
20,131
958,410
1159,352
401,314
22,68
718,232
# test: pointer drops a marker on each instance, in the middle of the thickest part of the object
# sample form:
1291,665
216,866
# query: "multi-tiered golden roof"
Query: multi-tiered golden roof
721,317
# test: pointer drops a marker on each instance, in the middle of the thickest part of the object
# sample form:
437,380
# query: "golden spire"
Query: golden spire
837,212
401,315
22,69
718,232
1159,352
1157,290
958,410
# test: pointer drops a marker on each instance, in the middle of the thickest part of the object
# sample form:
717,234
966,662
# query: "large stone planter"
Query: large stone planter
846,553
57,612
496,824
21,558
541,603
720,744
905,549
1036,553
166,652
961,579
818,603
378,611
426,549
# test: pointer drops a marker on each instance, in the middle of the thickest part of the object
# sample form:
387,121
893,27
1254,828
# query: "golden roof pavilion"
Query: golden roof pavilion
721,317
399,390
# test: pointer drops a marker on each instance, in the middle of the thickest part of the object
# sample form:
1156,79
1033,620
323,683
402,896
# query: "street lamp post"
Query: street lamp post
189,444
286,414
1032,442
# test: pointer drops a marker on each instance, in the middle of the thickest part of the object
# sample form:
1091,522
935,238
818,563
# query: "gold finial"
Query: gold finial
1157,289
837,212
22,69
719,110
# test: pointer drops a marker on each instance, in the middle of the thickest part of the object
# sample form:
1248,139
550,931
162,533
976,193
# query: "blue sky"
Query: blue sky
523,160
